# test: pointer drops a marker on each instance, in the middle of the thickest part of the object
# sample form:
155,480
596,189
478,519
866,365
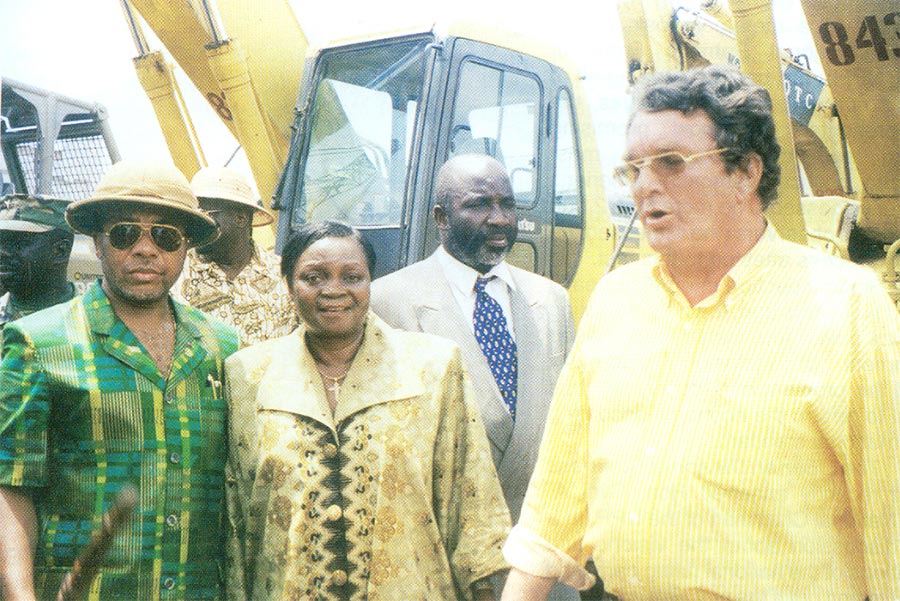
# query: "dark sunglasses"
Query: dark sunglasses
125,234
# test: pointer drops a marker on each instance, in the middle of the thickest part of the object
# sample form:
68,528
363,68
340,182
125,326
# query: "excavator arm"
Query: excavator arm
858,42
245,58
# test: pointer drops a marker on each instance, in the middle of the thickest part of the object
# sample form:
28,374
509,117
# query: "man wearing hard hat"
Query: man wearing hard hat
232,277
120,386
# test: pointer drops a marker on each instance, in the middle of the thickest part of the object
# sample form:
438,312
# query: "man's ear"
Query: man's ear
244,218
440,217
98,240
750,172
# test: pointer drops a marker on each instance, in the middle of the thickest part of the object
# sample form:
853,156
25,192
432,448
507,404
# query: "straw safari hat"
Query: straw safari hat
227,184
153,185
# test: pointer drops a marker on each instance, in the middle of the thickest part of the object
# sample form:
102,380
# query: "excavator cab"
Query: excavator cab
376,120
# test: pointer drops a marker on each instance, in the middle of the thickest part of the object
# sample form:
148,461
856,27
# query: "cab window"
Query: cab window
496,113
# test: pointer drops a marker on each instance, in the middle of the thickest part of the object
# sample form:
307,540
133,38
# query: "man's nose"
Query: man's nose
501,215
145,245
644,182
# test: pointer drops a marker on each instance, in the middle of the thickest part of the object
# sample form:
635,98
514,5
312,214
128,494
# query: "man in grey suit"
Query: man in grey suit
514,340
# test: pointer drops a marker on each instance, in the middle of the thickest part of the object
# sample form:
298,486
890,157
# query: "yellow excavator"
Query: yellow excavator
357,130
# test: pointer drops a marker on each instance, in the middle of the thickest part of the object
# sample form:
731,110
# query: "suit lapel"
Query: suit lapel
189,350
293,376
377,375
528,347
439,314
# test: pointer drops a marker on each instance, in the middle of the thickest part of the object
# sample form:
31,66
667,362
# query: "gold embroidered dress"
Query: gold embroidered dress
393,497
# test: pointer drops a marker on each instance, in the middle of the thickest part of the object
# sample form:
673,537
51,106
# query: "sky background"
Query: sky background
83,49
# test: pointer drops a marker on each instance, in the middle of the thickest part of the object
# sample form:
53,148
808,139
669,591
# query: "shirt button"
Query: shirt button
168,584
170,399
330,451
172,520
339,577
333,513
175,458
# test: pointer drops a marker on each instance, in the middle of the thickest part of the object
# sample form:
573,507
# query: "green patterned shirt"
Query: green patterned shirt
83,411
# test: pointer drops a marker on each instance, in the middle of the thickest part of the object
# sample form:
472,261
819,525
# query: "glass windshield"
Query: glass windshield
363,114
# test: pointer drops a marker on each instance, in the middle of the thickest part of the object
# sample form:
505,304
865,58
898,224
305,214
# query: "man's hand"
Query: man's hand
18,537
77,582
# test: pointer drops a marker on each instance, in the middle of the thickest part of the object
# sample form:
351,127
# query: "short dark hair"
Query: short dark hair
310,233
741,112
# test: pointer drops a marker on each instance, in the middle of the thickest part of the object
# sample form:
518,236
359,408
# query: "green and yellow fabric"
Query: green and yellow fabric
83,411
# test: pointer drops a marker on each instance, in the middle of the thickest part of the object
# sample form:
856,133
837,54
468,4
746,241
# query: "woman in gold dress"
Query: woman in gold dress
358,464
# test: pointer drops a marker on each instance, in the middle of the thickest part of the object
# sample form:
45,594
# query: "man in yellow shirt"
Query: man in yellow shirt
727,425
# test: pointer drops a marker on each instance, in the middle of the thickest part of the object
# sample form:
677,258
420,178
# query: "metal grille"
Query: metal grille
78,164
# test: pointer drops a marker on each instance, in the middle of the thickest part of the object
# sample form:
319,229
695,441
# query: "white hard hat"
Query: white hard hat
227,184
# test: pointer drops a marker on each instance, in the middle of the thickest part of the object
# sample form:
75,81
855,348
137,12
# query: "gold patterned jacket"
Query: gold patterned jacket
256,301
395,496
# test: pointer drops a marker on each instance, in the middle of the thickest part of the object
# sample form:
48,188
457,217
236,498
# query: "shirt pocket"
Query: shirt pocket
212,415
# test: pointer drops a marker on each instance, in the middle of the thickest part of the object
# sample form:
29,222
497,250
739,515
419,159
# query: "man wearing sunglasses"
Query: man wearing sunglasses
726,426
232,277
118,386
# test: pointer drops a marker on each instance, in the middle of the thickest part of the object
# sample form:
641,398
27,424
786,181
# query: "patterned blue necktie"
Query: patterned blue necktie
496,343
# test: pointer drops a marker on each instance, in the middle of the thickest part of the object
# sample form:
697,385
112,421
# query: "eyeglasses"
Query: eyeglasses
125,234
665,164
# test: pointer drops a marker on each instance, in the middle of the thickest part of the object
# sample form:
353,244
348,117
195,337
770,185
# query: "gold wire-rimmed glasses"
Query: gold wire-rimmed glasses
665,164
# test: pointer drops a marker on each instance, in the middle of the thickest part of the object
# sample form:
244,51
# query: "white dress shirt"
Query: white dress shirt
462,283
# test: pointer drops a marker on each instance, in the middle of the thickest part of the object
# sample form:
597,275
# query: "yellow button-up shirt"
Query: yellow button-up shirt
744,448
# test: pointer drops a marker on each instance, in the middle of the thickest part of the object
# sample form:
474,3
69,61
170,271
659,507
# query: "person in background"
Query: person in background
120,386
35,244
514,327
233,277
726,425
359,467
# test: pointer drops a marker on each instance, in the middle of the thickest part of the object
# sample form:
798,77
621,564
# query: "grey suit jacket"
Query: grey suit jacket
419,298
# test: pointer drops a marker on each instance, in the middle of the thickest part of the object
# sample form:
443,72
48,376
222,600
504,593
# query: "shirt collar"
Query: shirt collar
102,318
462,277
741,272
